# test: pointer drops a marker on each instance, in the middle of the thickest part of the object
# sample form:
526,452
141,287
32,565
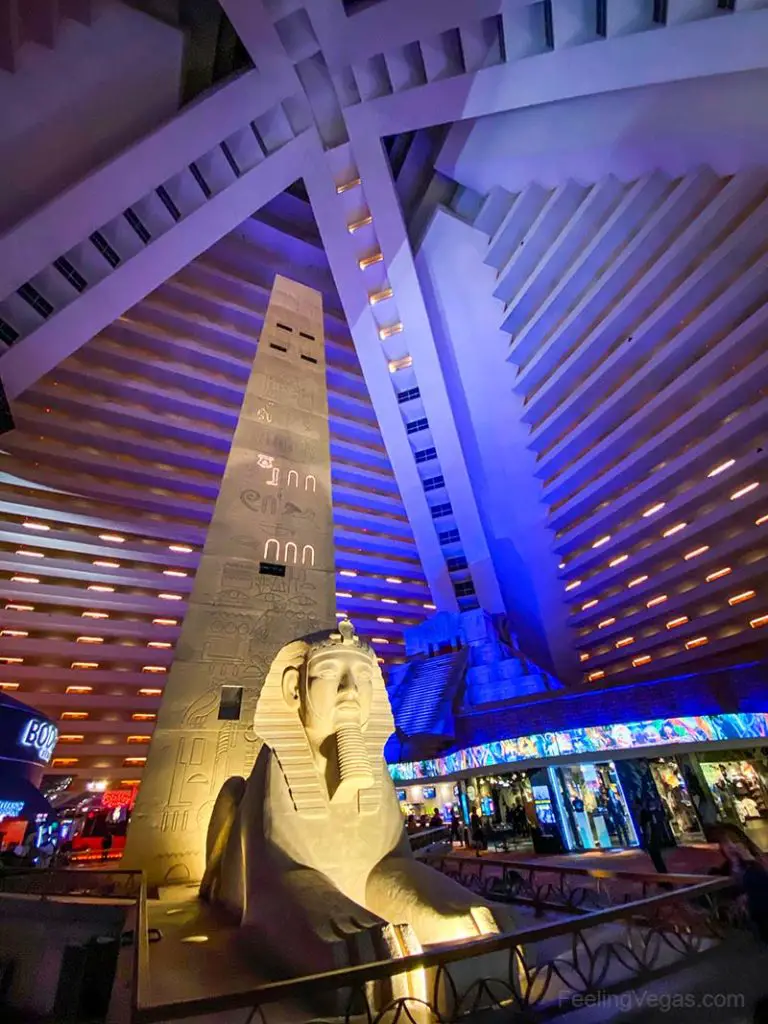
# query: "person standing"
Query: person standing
651,836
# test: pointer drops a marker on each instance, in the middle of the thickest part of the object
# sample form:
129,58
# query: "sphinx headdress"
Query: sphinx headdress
281,729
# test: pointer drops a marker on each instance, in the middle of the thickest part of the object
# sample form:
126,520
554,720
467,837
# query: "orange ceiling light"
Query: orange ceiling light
380,296
170,597
94,615
9,686
347,185
601,540
617,561
150,691
369,261
165,622
573,584
745,595
429,607
14,632
625,641
11,661
19,607
718,574
106,563
100,588
71,737
659,599
24,579
41,527
160,644
696,552
403,363
30,554
112,538
74,716
64,762
674,529
606,622
594,676
761,520
642,659
761,620
134,762
90,640
138,738
156,669
84,664
637,581
589,604
583,656
79,690
143,716
697,641
181,549
178,573
680,620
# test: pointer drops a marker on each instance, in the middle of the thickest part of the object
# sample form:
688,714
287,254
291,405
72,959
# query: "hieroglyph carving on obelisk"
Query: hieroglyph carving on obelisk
265,577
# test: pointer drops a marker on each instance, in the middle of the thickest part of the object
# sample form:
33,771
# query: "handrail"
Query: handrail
542,867
358,976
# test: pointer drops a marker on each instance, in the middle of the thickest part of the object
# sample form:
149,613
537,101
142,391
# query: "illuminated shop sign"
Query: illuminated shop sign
11,808
41,736
625,736
117,798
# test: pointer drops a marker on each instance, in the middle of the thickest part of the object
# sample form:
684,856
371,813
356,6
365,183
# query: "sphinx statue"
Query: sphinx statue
311,851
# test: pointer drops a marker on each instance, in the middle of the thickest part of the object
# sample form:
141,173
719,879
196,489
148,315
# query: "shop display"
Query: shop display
738,789
592,806
623,736
676,798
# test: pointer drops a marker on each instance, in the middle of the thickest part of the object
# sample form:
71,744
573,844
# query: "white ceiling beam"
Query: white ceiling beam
713,46
63,333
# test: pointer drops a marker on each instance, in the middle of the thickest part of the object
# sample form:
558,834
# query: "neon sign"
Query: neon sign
622,736
41,736
11,808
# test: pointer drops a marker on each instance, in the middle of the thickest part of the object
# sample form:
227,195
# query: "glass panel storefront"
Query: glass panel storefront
740,790
592,807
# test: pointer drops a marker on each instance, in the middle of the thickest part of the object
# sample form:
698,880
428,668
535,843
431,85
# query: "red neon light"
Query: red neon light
117,798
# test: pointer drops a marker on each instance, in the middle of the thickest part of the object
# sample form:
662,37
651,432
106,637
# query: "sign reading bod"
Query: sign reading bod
41,736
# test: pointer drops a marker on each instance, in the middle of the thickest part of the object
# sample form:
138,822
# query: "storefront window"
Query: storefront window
673,790
739,789
592,807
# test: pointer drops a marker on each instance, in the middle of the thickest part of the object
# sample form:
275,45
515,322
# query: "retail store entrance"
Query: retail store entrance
593,809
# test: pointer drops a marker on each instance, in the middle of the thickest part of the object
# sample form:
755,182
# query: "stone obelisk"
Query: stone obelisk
266,577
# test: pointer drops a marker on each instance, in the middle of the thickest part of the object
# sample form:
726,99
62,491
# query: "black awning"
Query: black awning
16,790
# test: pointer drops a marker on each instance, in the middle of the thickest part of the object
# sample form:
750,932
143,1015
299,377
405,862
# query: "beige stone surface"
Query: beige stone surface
274,506
311,853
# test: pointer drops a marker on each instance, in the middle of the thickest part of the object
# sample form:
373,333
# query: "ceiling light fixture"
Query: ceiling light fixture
721,468
696,552
745,595
745,490
654,509
617,561
637,581
674,529
697,641
602,540
718,574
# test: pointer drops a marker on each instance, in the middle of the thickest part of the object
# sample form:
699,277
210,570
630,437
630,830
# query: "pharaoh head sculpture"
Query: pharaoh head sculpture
325,713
